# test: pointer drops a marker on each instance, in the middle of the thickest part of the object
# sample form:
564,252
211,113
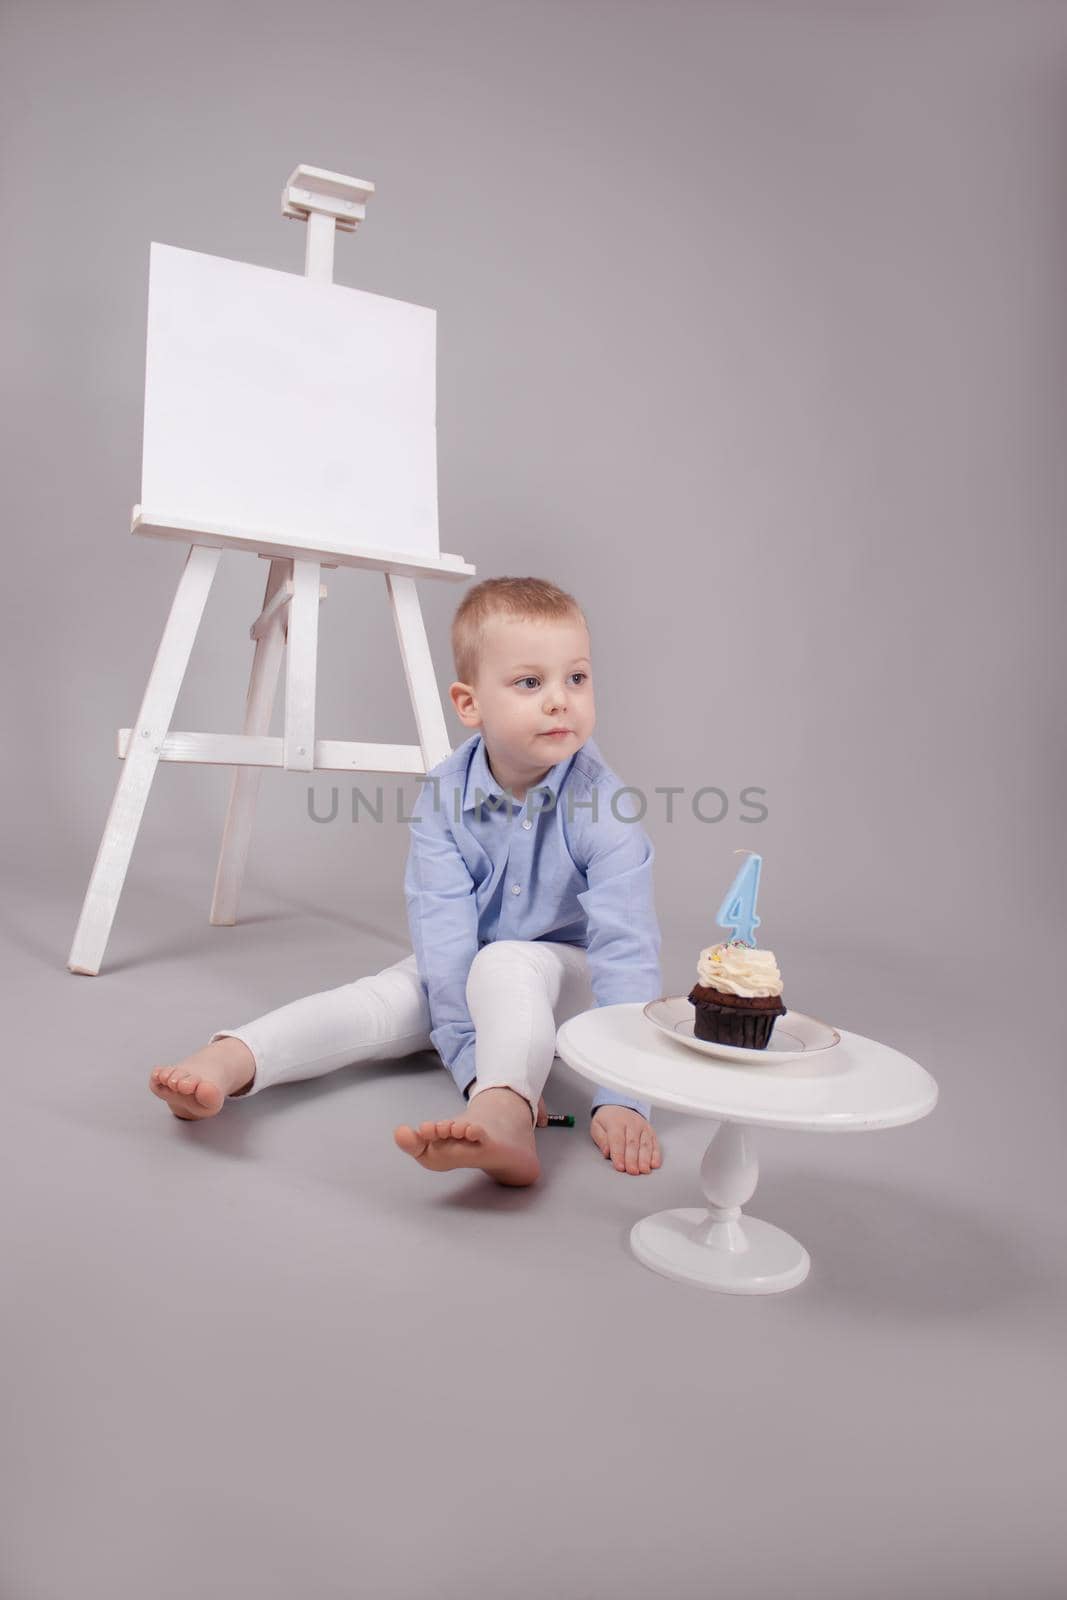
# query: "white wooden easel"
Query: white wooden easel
288,623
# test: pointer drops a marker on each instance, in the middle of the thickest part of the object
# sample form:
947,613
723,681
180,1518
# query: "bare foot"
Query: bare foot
198,1086
496,1134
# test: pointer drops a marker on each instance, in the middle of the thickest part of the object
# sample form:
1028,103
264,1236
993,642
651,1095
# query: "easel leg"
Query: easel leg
418,669
142,758
244,790
300,669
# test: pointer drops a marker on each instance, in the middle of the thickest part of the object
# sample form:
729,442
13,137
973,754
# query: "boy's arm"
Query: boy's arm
623,932
443,919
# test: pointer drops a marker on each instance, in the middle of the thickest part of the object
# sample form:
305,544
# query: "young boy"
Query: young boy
528,901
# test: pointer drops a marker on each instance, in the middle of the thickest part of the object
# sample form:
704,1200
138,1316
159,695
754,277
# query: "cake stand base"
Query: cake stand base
763,1260
720,1247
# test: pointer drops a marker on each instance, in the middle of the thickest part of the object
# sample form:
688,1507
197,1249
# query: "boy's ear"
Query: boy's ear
462,697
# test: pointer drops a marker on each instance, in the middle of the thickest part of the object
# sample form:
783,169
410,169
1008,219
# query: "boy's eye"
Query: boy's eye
520,681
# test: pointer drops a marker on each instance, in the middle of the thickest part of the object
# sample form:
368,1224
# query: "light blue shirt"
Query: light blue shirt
558,865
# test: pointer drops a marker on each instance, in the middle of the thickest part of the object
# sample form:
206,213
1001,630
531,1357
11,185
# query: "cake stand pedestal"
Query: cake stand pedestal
858,1085
719,1246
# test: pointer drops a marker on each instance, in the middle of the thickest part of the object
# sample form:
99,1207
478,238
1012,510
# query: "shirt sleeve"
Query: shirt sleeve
623,935
443,919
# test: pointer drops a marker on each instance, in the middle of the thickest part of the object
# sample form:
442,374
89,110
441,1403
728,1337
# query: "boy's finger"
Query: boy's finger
632,1147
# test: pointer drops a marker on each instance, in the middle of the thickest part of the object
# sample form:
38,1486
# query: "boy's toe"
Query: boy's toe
411,1142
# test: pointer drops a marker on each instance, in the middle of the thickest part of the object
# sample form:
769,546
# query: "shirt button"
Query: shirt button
516,888
527,823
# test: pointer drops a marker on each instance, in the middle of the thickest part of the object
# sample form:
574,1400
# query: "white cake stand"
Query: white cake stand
858,1085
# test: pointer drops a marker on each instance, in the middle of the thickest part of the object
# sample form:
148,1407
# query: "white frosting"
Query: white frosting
739,969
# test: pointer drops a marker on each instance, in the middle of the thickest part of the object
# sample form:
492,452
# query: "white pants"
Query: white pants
518,993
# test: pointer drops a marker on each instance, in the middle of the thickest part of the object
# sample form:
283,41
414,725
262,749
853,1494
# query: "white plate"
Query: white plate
793,1035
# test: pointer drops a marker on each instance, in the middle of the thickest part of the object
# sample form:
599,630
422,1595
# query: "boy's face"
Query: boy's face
533,677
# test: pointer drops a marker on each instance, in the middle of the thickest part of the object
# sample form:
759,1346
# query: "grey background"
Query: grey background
751,334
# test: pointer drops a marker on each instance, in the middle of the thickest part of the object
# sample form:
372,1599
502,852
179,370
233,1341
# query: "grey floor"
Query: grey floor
269,1355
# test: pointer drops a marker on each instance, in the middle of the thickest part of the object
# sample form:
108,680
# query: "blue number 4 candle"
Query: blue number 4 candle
737,914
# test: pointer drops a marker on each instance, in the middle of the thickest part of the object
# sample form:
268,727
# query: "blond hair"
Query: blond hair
531,599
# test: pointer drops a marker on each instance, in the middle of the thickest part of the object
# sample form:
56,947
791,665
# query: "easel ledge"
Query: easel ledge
226,536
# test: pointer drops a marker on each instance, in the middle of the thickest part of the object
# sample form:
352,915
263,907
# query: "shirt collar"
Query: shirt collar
481,786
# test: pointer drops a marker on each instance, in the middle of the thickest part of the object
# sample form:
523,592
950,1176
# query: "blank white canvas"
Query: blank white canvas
287,406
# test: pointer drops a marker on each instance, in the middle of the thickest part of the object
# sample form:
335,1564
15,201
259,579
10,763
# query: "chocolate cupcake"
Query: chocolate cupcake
738,997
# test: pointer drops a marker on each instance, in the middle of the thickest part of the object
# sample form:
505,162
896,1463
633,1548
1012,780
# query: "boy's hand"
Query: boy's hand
625,1138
